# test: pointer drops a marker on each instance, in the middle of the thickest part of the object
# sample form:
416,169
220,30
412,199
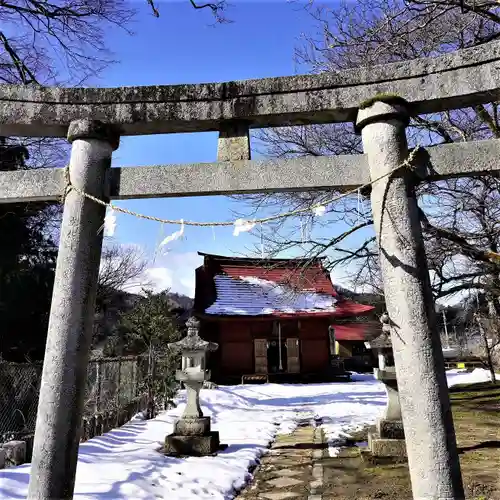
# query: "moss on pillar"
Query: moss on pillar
385,97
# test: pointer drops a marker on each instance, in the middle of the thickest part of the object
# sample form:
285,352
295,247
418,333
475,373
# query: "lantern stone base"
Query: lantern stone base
195,446
192,426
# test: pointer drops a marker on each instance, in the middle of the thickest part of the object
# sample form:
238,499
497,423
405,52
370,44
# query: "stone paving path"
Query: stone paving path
291,470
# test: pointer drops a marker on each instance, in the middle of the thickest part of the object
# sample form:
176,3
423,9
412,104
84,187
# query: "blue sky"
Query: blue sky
184,46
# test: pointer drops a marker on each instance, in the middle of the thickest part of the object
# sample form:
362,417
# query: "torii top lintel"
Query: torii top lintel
459,79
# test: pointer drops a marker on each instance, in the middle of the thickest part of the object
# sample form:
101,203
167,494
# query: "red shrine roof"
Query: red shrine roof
355,331
275,287
314,278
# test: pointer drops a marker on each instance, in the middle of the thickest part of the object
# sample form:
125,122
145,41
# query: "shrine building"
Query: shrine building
277,319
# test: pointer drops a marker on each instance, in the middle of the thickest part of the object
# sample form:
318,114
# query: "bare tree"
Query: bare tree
122,268
479,323
490,343
62,42
459,217
57,42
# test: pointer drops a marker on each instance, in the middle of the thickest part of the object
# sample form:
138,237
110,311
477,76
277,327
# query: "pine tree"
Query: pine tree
27,265
146,330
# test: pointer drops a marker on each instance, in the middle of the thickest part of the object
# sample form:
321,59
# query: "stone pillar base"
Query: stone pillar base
197,446
386,448
390,429
388,440
15,452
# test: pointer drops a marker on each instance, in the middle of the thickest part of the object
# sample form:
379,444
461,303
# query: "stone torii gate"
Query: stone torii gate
93,121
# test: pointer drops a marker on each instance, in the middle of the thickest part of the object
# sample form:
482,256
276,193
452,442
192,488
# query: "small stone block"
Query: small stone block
287,472
29,440
284,482
92,427
390,429
109,421
195,446
199,426
3,456
15,452
381,447
104,423
121,418
84,431
98,425
279,495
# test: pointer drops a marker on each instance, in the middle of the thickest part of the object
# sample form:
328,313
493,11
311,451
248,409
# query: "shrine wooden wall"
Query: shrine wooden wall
314,345
236,355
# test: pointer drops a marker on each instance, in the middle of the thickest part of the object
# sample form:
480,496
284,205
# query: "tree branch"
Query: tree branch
217,8
468,249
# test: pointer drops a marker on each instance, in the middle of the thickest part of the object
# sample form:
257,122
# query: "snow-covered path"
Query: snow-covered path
125,463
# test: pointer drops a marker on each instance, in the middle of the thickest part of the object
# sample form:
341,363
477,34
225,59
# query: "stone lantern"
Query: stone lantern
389,438
192,434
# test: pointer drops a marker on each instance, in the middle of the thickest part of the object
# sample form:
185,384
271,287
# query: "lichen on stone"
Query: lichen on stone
387,97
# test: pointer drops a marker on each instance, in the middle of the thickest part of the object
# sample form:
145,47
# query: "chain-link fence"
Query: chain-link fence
19,386
112,384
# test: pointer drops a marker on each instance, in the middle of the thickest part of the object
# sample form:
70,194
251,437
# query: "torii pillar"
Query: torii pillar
429,432
62,390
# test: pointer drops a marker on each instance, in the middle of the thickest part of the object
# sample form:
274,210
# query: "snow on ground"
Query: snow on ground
362,403
461,377
125,463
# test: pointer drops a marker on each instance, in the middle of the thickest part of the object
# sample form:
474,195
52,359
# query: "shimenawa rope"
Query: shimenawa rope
70,186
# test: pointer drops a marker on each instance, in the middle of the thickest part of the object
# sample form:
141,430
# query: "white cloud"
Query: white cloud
340,279
175,272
